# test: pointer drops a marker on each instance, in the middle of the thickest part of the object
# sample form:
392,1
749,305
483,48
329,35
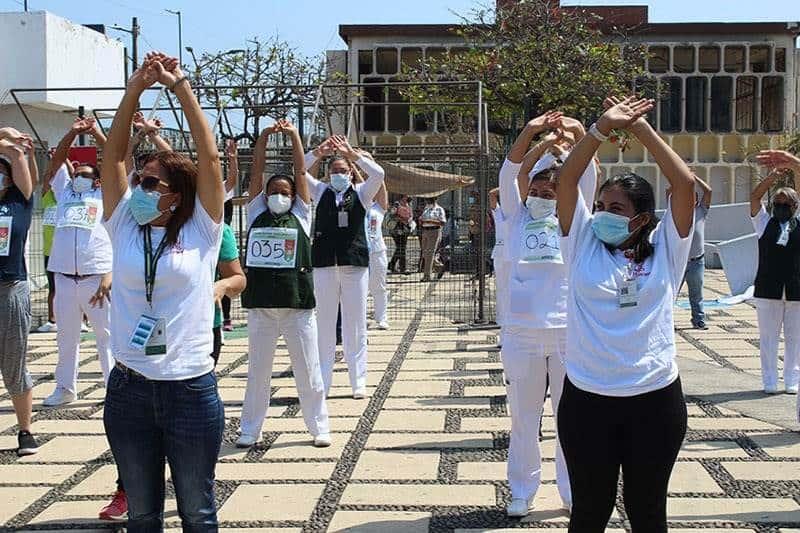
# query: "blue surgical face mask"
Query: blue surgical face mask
340,182
540,207
144,205
81,184
610,228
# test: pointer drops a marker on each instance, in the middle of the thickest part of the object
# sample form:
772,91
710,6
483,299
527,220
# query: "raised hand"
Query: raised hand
231,149
778,160
143,77
548,120
271,130
82,125
138,120
11,149
343,147
286,127
624,113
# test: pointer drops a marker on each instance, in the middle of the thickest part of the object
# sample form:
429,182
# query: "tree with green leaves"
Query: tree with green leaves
269,79
530,57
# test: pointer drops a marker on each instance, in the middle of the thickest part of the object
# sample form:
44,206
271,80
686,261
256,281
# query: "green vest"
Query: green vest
282,288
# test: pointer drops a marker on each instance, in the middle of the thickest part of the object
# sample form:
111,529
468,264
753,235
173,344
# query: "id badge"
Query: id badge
628,293
150,336
343,219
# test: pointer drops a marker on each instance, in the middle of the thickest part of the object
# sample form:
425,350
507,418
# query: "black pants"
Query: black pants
226,308
599,434
217,346
399,255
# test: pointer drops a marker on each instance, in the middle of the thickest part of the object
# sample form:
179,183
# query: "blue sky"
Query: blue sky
311,25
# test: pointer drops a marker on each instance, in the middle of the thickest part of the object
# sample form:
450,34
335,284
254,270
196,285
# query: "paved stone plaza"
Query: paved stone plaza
426,450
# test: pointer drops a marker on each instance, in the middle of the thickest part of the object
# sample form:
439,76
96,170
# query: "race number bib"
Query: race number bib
541,242
49,216
80,214
272,248
373,227
5,236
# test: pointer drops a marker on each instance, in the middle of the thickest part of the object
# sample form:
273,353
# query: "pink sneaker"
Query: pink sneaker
117,509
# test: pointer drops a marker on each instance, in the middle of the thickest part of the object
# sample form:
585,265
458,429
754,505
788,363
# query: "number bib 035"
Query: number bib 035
272,248
541,242
80,214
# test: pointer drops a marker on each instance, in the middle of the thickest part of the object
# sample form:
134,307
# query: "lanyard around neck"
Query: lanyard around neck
151,262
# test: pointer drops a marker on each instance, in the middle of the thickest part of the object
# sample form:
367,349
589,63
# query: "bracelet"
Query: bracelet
178,82
594,132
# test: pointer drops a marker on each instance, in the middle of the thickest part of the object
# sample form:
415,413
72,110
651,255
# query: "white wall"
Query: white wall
51,125
50,51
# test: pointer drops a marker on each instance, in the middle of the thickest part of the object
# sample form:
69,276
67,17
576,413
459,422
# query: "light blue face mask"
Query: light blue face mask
144,205
340,182
611,228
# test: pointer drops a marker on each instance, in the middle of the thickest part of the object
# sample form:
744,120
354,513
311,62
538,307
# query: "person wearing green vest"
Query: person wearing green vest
49,208
280,292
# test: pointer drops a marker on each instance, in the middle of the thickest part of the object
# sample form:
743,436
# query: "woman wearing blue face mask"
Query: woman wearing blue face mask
340,256
161,400
534,322
777,284
280,292
622,404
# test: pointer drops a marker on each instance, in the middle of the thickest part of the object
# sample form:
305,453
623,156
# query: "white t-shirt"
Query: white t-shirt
373,226
537,285
432,213
183,294
500,230
300,209
616,351
81,244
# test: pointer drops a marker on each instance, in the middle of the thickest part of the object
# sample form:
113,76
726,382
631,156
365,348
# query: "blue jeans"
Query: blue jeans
181,421
693,277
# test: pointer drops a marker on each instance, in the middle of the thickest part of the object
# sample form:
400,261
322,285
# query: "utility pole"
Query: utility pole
180,47
26,6
134,30
82,136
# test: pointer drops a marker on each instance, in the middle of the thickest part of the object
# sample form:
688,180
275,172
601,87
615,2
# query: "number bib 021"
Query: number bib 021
541,242
272,248
80,214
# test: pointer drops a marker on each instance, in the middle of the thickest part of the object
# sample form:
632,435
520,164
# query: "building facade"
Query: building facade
732,89
50,51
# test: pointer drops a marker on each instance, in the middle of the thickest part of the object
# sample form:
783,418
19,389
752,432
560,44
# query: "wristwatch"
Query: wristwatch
594,132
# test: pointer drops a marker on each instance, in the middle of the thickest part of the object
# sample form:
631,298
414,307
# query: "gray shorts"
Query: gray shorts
15,323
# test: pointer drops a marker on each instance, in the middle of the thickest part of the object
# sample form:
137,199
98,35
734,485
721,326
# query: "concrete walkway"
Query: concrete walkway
426,450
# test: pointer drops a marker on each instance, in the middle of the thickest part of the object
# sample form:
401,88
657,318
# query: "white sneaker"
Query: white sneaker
323,440
359,394
246,441
791,390
382,325
60,396
47,327
772,390
518,508
84,327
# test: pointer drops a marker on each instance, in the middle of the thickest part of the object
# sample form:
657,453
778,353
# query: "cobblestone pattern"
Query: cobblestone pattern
424,453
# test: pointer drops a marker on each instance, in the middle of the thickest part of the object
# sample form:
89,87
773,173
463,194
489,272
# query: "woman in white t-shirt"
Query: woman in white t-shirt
622,404
534,325
499,259
161,399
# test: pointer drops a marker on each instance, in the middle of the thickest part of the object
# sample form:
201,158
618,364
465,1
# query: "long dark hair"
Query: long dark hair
640,193
6,166
182,174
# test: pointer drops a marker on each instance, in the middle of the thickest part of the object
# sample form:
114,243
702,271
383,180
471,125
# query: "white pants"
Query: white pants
377,284
772,314
502,270
299,330
529,357
346,285
70,304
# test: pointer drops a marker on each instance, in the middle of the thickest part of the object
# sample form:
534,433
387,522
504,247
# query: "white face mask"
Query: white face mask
279,203
81,184
340,182
540,207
